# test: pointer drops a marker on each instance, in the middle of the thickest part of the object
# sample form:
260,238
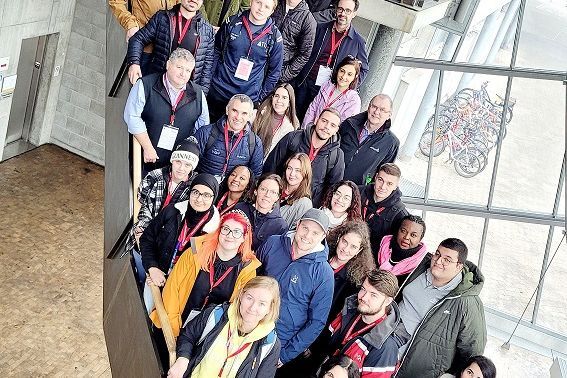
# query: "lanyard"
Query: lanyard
377,212
278,126
335,45
249,32
313,152
349,335
184,237
226,145
183,31
292,252
228,207
174,106
336,270
328,104
212,283
169,193
230,355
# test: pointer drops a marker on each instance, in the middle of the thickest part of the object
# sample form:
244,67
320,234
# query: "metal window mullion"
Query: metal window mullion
433,135
541,275
465,31
483,242
519,22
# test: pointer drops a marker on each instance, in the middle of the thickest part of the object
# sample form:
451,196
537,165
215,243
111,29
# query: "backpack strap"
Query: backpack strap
267,345
213,136
334,158
231,23
251,143
212,321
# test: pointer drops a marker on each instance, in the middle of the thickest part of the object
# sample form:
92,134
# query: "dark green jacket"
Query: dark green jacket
451,332
211,10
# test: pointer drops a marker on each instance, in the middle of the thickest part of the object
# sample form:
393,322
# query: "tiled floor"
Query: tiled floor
51,232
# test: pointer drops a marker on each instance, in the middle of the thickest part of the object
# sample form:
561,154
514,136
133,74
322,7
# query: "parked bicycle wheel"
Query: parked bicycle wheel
425,144
470,162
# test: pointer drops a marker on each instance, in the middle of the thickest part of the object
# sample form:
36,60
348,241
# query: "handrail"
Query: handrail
119,78
165,324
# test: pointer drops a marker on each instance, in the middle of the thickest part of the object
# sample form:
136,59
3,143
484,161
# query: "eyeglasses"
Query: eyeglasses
382,110
237,234
342,197
195,193
348,12
271,193
444,260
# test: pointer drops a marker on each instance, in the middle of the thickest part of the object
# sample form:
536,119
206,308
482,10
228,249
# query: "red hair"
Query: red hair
207,255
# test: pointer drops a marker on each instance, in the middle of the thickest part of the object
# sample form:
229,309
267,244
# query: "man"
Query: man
298,260
440,306
334,40
182,26
364,330
230,141
164,109
322,144
248,57
135,18
367,141
382,207
297,25
218,11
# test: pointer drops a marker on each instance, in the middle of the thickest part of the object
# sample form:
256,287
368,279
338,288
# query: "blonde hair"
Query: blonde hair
261,282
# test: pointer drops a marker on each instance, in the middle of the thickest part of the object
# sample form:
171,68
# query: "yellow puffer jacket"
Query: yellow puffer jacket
182,278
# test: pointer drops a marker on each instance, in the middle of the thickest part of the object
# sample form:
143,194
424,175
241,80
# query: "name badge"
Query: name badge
167,137
323,75
244,69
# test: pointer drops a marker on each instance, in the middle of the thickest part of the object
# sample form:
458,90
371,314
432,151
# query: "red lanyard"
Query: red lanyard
187,234
335,45
313,152
249,32
238,351
174,106
292,252
212,283
228,207
329,104
169,193
183,31
278,126
377,212
349,335
226,145
336,270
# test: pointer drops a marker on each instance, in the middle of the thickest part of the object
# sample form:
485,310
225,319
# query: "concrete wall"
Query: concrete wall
72,103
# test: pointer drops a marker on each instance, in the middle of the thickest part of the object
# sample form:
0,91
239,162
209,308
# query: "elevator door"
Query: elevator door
25,94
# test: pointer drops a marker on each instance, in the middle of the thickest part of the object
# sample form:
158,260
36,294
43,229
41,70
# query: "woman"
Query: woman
263,211
213,270
351,258
401,254
342,203
339,92
276,117
234,188
233,340
296,197
339,367
476,367
167,236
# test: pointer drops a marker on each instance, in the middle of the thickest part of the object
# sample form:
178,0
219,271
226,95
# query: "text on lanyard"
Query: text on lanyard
227,145
335,45
249,32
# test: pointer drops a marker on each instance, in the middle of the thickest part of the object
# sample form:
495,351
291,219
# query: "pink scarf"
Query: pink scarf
404,266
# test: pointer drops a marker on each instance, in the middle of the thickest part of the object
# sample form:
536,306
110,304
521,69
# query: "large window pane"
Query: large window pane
511,265
553,303
532,151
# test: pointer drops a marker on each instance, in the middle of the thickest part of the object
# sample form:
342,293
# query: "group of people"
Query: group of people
271,214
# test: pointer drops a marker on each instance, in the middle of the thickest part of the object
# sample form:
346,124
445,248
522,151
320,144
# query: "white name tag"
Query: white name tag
244,69
323,75
167,137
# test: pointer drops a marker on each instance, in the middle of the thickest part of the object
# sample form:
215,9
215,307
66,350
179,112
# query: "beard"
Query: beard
368,310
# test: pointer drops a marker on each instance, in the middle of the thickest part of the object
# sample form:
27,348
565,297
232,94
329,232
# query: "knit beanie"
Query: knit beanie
187,151
209,181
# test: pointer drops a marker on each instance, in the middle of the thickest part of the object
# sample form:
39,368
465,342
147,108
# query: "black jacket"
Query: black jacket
160,30
353,45
327,167
379,148
387,221
261,361
298,31
263,225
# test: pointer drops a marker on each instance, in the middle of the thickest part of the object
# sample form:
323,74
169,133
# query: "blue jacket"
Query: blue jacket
306,290
160,30
212,159
231,44
353,45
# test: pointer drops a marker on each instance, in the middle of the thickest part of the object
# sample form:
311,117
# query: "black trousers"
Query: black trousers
217,105
304,95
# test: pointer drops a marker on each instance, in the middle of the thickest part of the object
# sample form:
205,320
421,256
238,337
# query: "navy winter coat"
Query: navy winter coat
231,44
306,289
160,30
212,160
263,225
353,45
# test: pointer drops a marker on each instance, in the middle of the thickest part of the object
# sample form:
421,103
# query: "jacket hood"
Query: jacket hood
377,335
320,252
391,200
210,226
333,143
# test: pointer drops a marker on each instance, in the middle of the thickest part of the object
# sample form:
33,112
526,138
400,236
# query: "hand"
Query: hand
178,368
280,364
134,73
216,29
137,234
156,277
130,32
150,155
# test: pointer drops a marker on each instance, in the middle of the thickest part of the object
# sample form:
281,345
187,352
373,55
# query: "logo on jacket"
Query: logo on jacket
375,149
447,312
262,44
295,278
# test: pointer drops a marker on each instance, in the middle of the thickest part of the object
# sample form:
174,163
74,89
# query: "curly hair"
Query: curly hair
354,210
361,264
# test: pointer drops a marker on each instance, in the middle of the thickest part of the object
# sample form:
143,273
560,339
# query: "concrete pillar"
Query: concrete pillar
380,58
507,21
482,46
427,102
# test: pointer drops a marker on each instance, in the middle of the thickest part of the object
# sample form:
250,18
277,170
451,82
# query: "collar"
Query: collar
170,87
448,286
